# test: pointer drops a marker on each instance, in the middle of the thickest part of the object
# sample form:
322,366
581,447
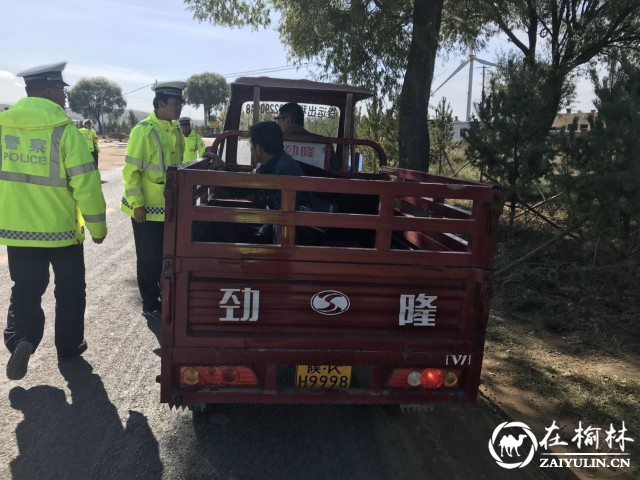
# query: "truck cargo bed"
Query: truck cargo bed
399,281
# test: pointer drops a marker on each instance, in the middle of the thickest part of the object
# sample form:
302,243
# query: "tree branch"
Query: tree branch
522,259
505,28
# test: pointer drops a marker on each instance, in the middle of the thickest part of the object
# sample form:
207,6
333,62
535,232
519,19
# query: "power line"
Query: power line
132,91
247,72
266,70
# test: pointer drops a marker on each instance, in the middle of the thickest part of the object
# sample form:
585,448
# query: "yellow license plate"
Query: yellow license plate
323,376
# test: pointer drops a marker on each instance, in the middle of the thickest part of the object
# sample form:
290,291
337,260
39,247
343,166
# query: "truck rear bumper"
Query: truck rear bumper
180,398
275,372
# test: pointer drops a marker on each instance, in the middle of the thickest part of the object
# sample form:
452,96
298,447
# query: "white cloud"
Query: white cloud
11,88
6,75
111,72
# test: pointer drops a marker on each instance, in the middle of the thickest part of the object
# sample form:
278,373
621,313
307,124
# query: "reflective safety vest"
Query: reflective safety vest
91,137
193,146
153,146
49,185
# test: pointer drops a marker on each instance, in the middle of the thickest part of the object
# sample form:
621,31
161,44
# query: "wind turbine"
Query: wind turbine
472,58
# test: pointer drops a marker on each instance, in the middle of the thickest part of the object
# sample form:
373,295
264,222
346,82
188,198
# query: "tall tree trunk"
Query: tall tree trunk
554,89
207,116
624,273
413,136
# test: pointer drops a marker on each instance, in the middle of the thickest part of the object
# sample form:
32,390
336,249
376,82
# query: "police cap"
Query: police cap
170,88
51,73
184,120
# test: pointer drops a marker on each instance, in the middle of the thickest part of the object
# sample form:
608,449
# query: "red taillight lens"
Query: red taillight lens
217,376
426,378
432,378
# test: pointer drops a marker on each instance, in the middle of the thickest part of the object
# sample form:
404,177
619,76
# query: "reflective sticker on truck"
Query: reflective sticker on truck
240,304
418,310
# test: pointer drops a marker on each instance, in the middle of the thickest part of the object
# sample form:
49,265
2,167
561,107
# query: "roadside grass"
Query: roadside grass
558,347
556,335
457,165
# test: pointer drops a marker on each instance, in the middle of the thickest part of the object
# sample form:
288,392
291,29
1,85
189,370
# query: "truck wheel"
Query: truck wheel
201,407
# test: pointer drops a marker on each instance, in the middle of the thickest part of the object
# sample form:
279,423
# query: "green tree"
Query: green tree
124,127
97,98
389,46
601,172
441,133
210,90
111,125
380,124
509,141
560,35
132,121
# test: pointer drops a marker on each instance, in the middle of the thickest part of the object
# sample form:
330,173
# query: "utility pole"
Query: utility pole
484,67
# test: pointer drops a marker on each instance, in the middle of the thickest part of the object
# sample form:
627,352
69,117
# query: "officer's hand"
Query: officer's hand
216,162
139,214
97,240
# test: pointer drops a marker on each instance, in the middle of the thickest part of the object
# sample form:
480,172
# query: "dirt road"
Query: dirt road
98,417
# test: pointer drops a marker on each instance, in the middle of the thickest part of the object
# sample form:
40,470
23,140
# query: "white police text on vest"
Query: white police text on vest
21,157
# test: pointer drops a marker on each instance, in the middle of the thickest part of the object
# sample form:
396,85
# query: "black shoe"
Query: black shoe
73,354
153,315
19,361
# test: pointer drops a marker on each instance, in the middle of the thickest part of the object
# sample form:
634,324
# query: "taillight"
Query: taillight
432,378
217,376
427,378
451,378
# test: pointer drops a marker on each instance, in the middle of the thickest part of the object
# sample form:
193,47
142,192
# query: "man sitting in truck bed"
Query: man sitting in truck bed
266,145
267,149
291,120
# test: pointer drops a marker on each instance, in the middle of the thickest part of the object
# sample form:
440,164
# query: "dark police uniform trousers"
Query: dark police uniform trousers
29,271
148,237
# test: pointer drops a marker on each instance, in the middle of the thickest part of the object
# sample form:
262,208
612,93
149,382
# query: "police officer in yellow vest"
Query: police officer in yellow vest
193,144
154,144
91,137
49,191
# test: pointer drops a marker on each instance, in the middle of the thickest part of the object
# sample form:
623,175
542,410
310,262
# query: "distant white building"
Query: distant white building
459,126
564,120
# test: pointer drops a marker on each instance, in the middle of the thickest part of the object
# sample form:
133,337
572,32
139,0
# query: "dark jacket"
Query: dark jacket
280,164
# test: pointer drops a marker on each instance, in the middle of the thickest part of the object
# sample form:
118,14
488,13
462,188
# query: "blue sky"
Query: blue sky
136,42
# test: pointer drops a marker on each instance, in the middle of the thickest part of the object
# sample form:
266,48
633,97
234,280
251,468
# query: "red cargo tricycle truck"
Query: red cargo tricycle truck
386,304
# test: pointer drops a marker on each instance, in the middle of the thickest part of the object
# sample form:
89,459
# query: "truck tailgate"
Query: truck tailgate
411,295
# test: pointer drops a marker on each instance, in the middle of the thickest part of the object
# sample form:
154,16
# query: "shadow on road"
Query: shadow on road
287,442
155,327
82,439
341,442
